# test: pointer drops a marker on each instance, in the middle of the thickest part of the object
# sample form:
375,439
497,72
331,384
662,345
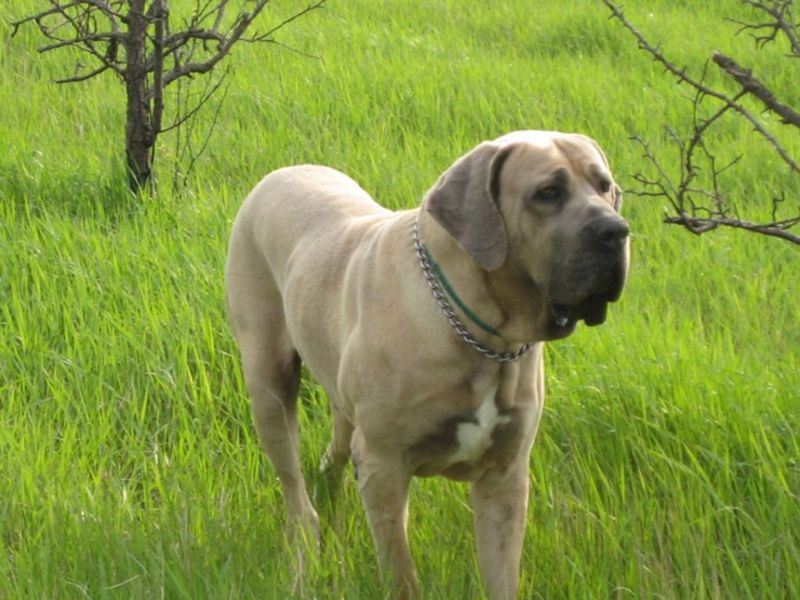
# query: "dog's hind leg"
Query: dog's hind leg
336,456
273,386
271,368
338,452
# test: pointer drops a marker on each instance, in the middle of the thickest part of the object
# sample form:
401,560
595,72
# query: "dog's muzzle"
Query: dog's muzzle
592,311
597,277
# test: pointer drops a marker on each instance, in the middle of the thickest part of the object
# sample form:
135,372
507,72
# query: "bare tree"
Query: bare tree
134,40
702,207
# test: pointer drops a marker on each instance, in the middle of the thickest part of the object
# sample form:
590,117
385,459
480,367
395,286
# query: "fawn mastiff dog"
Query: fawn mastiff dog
424,326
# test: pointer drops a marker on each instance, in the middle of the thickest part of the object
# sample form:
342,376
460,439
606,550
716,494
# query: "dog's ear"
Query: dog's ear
616,191
616,194
464,203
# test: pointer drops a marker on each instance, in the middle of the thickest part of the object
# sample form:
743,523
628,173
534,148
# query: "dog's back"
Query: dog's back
305,204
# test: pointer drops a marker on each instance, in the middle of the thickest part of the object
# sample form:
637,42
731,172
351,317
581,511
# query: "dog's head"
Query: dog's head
543,204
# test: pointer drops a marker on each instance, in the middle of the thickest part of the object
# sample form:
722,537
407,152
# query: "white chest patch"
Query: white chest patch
475,438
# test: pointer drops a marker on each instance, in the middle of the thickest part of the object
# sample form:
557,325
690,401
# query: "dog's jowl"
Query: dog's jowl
425,326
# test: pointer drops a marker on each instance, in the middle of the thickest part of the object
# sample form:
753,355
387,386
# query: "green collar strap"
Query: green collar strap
437,271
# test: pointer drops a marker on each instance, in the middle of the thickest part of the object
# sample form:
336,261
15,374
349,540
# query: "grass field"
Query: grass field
668,460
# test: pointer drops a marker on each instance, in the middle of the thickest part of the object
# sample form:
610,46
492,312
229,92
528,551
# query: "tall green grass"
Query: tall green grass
667,463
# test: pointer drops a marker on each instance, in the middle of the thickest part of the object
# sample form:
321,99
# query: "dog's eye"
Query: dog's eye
552,194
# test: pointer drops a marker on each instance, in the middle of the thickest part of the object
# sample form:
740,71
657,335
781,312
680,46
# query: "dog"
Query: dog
425,326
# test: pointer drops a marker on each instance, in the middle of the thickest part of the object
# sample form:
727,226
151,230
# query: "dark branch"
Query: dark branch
87,38
698,203
701,218
78,20
38,17
702,225
225,41
183,136
83,77
781,13
161,16
187,114
701,87
750,84
267,36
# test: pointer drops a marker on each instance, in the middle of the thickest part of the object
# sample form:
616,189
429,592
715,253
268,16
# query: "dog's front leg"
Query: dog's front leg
500,502
383,484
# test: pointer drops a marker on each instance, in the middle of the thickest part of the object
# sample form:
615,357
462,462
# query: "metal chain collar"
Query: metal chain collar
455,322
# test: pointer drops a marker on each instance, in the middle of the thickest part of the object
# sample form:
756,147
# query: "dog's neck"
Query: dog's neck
506,299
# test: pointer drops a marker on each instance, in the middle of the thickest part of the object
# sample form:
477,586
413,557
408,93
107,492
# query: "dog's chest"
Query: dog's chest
474,435
463,442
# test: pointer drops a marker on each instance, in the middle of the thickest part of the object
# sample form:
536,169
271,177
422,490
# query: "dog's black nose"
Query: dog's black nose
608,230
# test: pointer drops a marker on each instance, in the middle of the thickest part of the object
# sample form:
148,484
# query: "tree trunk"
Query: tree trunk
139,132
100,28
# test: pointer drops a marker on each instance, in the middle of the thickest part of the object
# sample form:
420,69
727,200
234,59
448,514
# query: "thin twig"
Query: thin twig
184,114
782,21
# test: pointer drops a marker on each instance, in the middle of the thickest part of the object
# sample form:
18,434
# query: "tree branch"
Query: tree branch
700,86
183,138
187,114
225,41
161,16
87,38
285,22
749,83
702,225
781,13
698,209
83,77
84,33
